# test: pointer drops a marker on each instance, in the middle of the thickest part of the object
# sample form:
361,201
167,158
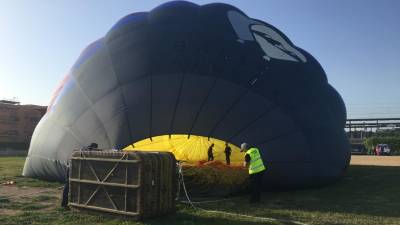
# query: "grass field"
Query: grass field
368,194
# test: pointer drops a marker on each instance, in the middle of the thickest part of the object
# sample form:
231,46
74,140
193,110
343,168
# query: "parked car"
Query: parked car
358,149
382,149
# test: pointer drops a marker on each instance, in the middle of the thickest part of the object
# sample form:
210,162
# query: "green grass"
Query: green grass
11,169
367,195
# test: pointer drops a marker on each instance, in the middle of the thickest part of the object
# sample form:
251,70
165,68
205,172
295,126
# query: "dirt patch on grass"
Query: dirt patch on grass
9,212
15,200
12,191
375,160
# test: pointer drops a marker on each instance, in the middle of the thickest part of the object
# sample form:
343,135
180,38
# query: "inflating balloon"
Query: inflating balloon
183,76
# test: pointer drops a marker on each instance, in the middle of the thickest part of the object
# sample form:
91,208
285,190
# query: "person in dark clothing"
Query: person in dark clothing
92,146
64,201
228,152
256,187
255,164
210,152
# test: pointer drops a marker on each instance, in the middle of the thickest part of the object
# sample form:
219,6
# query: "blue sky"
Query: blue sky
356,41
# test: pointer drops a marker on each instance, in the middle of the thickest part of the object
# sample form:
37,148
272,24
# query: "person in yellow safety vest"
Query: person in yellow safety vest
255,164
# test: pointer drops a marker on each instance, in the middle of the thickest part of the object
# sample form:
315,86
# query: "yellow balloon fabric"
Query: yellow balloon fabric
191,149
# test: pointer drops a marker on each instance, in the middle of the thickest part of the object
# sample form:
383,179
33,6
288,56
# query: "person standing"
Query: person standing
210,152
228,151
64,199
255,164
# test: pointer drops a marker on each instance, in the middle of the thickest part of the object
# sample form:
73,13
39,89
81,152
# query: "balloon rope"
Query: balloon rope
182,181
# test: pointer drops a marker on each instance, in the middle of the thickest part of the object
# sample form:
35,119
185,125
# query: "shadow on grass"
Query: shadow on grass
369,190
182,217
192,217
364,190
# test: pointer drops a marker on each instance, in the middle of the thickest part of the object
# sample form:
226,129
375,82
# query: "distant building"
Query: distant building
17,123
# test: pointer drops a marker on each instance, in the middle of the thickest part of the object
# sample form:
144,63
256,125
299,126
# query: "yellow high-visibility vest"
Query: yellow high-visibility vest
256,163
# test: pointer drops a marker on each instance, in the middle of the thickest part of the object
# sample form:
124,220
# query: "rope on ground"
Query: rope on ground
205,202
228,213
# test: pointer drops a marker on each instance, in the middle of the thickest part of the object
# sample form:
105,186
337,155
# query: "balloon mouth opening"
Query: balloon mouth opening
190,149
203,177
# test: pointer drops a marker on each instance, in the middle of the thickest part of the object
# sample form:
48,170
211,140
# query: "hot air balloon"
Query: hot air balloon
183,76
